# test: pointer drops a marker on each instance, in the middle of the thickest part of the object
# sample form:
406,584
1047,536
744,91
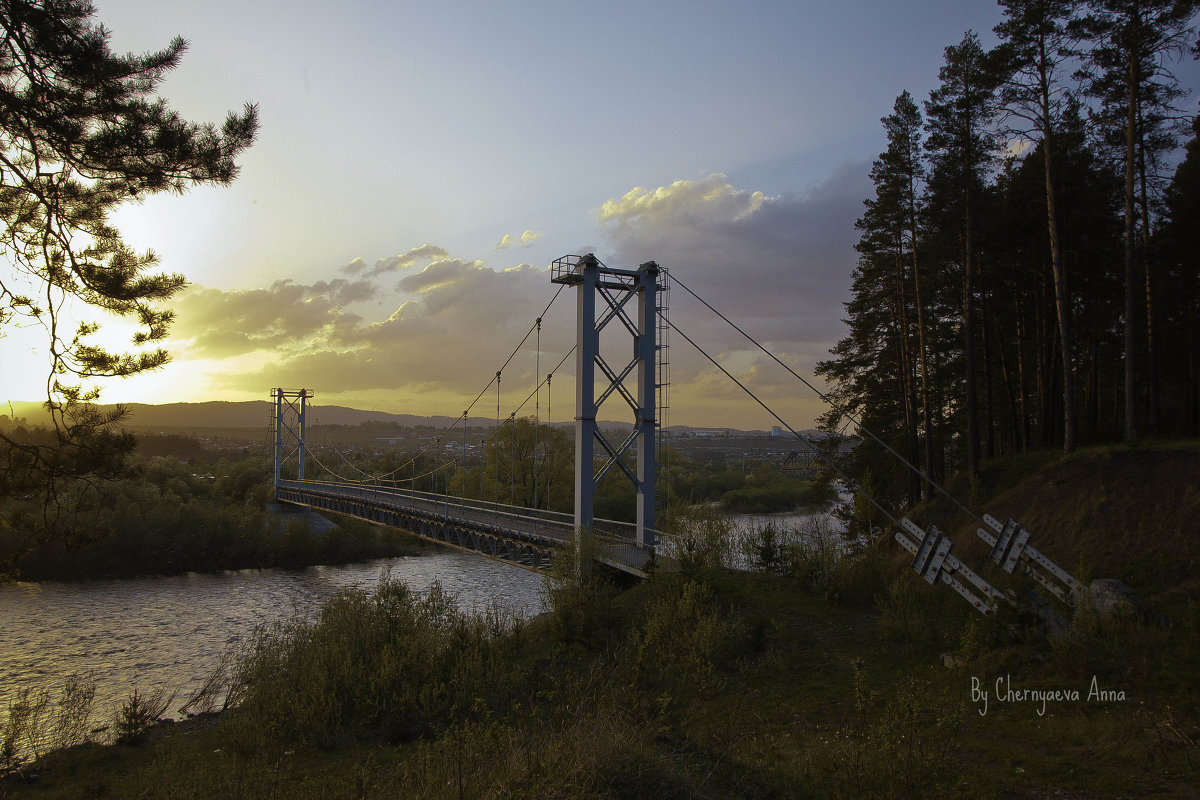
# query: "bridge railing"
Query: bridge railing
438,504
450,501
618,540
445,504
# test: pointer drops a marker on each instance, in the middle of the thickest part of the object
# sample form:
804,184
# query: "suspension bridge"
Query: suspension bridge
620,304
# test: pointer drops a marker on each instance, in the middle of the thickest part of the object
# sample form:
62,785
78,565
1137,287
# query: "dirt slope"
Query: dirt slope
1127,513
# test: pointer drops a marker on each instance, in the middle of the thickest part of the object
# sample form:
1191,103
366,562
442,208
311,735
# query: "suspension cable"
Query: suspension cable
412,461
537,409
858,423
849,481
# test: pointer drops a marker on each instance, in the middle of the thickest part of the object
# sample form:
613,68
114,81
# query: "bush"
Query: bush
763,547
583,613
35,724
814,555
388,662
699,537
22,735
817,553
775,496
901,750
72,721
684,640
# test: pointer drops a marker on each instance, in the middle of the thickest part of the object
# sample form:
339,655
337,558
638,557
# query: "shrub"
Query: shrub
72,720
137,714
22,735
581,602
901,618
814,555
763,546
685,640
389,662
699,537
35,725
900,751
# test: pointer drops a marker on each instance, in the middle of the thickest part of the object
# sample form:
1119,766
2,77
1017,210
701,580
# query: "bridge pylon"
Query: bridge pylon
290,405
616,288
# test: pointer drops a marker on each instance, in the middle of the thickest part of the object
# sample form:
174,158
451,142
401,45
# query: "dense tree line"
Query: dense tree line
1027,272
200,514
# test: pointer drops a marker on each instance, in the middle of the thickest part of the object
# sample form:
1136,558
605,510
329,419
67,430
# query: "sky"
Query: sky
421,164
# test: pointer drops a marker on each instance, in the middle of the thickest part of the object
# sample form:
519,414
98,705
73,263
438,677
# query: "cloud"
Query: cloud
222,324
354,267
681,203
343,292
779,266
395,263
453,324
526,239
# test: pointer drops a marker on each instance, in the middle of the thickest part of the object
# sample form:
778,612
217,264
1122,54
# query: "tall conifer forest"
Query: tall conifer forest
1027,272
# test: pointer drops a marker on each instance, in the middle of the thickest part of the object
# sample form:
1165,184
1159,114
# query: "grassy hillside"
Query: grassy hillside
856,681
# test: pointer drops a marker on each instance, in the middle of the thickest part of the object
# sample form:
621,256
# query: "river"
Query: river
170,632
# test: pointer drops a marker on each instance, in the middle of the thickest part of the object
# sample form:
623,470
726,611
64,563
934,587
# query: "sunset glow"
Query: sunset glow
388,240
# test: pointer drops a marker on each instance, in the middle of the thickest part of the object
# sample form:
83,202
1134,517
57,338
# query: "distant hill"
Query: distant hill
256,415
253,414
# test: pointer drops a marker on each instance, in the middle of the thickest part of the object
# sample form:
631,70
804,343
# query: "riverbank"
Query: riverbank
171,517
209,537
723,684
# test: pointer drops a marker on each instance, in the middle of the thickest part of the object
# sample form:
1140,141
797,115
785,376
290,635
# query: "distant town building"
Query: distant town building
777,431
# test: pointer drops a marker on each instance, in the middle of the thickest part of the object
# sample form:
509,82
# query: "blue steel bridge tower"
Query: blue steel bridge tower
288,427
630,298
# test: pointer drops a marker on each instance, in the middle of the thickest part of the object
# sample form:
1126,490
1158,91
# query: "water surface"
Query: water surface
170,632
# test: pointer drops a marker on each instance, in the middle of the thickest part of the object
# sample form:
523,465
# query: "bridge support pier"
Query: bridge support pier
290,405
616,288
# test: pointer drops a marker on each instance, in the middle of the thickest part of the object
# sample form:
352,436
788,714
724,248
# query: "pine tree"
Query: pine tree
961,145
866,369
82,133
1181,242
1026,309
884,370
1036,45
1128,71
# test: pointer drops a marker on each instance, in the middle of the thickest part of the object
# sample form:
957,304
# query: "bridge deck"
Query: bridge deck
526,537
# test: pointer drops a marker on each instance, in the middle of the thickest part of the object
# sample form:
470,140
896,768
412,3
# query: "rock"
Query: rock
1110,599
